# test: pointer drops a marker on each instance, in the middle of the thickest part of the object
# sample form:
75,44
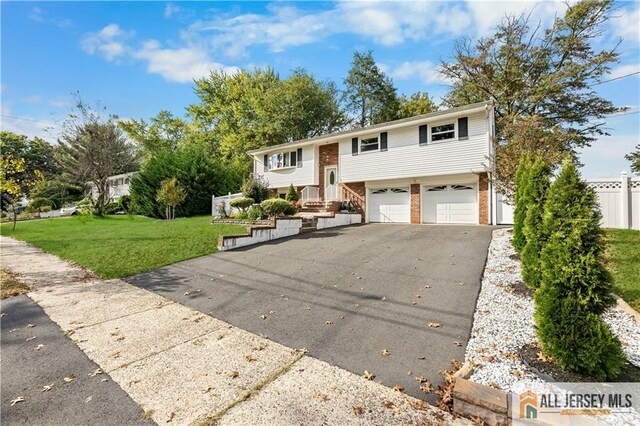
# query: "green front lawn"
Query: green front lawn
623,254
118,246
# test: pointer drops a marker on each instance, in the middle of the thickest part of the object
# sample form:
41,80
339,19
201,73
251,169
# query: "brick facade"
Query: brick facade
328,157
483,199
415,203
356,193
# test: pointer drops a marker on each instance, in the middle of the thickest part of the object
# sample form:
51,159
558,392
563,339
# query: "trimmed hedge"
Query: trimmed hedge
276,206
242,203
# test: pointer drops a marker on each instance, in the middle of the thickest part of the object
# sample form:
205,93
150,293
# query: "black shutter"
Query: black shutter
292,158
423,134
266,163
354,146
299,163
383,141
463,128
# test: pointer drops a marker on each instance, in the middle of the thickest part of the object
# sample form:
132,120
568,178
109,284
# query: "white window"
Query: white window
282,160
369,144
443,132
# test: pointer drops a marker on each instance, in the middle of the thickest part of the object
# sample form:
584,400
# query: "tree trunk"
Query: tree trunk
15,217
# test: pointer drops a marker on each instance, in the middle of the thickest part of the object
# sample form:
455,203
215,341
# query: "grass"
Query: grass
623,254
10,286
119,246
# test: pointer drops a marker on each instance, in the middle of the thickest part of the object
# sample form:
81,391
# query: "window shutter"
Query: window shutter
383,141
463,128
293,157
354,146
299,162
423,134
266,163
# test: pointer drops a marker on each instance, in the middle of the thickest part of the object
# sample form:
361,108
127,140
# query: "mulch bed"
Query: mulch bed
530,355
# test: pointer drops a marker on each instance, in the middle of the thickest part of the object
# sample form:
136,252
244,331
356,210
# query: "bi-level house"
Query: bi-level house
430,168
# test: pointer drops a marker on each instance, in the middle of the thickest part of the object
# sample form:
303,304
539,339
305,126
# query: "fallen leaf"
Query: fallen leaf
320,396
234,374
69,332
329,322
385,352
207,388
426,387
11,331
30,325
421,379
95,372
264,317
308,308
186,293
40,346
398,388
422,357
171,416
104,380
15,401
89,398
368,375
388,404
409,373
30,338
114,354
384,298
70,378
494,385
457,343
358,410
250,358
434,325
47,388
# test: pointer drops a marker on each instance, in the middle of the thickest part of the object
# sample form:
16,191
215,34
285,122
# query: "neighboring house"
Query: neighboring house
118,186
430,168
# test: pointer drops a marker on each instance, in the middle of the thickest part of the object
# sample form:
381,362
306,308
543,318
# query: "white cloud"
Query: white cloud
623,70
626,24
425,71
33,99
29,126
182,64
36,14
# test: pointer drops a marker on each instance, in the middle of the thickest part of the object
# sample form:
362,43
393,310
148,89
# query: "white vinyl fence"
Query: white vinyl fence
619,199
216,201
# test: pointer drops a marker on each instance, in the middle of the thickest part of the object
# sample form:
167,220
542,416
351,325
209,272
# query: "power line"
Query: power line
626,113
617,78
25,119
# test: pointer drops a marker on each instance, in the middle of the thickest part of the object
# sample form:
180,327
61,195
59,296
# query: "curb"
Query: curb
628,309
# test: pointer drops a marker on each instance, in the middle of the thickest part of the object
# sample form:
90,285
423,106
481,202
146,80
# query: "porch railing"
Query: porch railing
310,193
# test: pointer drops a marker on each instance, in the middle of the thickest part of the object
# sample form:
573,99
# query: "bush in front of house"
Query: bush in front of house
242,203
533,230
276,207
521,201
292,194
255,213
575,287
124,203
257,188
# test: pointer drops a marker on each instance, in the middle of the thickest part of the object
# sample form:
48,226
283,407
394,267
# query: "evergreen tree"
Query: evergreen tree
292,194
520,211
533,231
575,287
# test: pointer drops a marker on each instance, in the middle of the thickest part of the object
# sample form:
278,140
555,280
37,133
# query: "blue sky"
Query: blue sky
139,58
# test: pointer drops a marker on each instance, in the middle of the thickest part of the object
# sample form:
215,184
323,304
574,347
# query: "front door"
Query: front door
331,184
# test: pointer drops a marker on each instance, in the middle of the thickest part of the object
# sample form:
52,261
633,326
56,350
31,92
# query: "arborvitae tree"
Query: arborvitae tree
292,194
521,201
533,231
575,288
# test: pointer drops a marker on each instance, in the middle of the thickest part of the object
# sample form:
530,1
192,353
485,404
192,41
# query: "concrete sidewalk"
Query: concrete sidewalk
182,366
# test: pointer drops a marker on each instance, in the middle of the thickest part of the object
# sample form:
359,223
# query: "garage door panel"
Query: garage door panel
450,204
390,205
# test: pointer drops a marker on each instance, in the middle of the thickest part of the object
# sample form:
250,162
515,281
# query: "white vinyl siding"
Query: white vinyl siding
406,158
298,176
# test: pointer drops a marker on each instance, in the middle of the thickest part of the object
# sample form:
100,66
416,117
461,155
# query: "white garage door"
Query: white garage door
390,205
450,204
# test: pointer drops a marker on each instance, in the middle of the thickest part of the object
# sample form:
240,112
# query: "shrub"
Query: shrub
221,209
196,170
521,202
124,202
276,207
241,215
533,231
292,194
38,203
111,208
86,207
242,203
45,209
255,213
257,188
575,287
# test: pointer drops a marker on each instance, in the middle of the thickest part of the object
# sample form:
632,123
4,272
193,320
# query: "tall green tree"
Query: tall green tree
575,287
534,232
38,155
164,132
549,73
369,95
92,148
417,104
634,157
521,199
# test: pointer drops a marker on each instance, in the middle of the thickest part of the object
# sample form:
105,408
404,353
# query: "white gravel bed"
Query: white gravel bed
503,323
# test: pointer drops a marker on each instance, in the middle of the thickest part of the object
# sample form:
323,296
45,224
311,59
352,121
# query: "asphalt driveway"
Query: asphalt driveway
360,297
